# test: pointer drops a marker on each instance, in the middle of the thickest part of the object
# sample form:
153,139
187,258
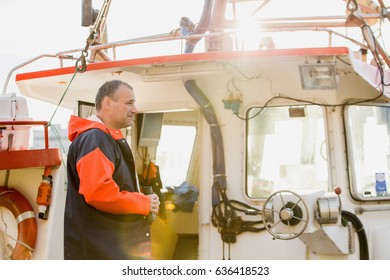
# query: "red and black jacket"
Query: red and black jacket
105,214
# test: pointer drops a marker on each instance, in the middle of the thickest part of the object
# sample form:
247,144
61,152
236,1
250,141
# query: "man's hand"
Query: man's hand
154,203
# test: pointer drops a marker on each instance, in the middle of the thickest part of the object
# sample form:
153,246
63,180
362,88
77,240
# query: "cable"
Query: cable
315,103
229,224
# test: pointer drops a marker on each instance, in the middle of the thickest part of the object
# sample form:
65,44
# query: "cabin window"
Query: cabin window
285,150
368,136
174,153
86,109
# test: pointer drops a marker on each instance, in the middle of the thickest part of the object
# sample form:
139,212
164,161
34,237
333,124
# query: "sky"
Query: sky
30,28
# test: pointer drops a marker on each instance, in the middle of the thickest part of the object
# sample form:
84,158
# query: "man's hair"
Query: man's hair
108,89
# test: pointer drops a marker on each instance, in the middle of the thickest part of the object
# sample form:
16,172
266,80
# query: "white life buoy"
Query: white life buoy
26,220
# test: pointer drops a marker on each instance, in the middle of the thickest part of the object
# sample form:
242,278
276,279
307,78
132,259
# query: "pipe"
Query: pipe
216,138
363,244
22,65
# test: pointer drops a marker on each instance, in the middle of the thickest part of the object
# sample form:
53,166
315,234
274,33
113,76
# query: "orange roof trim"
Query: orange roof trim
185,58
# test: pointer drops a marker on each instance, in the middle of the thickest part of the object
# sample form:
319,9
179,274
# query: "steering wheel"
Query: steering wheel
285,209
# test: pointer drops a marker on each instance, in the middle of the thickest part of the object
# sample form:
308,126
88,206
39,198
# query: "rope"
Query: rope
4,233
29,248
62,97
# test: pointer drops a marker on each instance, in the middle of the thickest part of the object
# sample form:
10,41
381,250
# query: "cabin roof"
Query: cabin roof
146,74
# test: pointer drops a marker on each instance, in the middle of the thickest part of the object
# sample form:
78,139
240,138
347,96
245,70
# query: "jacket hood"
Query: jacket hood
78,125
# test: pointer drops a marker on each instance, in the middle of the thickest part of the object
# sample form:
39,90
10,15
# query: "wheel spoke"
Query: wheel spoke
299,218
296,203
289,228
281,198
274,225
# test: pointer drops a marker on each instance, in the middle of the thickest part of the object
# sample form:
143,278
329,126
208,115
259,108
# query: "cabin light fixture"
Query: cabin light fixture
181,72
318,76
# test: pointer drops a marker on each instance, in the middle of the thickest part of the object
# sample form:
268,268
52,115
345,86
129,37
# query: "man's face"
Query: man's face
122,108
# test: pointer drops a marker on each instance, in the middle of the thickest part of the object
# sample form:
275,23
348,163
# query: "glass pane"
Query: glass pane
286,150
369,150
174,153
86,109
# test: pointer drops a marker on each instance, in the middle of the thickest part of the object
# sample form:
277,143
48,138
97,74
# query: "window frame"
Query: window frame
352,172
326,142
194,126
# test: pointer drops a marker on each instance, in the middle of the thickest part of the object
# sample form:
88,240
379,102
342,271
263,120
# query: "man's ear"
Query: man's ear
106,102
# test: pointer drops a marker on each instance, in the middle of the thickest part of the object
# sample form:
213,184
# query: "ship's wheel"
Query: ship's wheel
285,215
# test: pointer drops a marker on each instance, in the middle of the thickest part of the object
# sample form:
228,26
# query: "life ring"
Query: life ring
27,223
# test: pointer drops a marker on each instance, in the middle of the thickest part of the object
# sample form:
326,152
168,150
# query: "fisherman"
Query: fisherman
105,214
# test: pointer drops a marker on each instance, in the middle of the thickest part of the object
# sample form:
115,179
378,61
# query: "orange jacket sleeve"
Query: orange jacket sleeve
100,190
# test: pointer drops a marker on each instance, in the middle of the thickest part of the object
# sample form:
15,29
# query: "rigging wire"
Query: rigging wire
81,65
